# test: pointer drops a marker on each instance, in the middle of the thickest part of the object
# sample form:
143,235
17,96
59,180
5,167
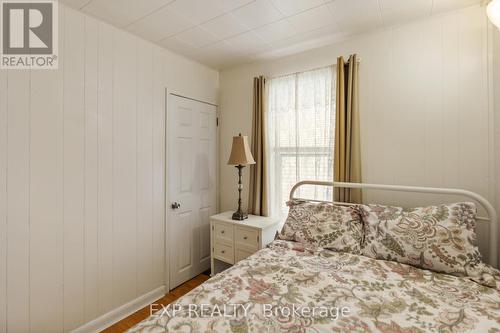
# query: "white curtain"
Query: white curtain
301,133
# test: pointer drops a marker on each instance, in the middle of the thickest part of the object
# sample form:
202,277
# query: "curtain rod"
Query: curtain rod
310,70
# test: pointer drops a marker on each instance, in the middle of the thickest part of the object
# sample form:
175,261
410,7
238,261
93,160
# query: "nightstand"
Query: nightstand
232,241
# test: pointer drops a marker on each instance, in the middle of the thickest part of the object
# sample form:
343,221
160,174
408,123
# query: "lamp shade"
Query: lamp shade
240,152
493,11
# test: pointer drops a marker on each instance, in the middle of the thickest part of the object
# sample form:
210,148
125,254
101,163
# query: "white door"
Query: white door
192,185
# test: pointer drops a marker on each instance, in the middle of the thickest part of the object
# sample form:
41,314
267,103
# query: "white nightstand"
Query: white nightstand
232,241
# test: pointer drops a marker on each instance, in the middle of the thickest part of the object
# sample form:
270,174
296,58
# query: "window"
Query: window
301,110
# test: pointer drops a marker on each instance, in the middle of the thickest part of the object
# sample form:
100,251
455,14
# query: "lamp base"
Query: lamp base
239,215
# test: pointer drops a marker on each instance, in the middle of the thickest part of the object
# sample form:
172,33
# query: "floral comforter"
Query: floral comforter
289,288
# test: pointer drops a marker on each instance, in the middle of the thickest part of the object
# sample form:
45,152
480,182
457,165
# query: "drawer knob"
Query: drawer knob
222,231
222,251
245,237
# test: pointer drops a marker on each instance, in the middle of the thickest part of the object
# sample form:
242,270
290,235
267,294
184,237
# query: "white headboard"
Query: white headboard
490,211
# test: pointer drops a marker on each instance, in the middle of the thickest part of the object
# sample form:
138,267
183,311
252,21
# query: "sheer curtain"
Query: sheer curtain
300,118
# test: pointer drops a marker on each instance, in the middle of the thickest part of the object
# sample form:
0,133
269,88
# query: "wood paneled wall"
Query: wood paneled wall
82,163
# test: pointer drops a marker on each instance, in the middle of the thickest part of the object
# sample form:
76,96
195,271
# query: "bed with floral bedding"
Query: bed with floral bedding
294,287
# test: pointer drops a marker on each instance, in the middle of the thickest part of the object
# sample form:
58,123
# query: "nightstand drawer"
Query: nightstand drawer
232,241
248,238
242,254
223,232
224,252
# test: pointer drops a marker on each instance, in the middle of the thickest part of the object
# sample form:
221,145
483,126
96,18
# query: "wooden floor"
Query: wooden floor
137,317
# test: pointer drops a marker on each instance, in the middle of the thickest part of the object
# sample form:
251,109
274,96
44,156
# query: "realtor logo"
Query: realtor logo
29,34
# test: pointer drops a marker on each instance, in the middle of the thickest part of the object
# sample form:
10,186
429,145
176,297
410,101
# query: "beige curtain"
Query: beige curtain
347,166
258,199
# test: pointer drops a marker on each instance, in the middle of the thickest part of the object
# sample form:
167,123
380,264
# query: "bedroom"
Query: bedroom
101,165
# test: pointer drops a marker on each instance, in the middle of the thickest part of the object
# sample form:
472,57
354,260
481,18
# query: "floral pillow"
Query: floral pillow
324,225
440,238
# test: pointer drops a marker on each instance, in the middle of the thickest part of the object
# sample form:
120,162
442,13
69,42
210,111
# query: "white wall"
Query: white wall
496,100
82,160
424,106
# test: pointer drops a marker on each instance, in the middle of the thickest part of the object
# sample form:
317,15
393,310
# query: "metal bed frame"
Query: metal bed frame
490,211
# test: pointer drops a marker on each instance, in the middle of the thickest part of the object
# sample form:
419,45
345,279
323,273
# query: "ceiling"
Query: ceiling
225,33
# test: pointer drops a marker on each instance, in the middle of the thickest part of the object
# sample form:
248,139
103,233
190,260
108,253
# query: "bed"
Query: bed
294,287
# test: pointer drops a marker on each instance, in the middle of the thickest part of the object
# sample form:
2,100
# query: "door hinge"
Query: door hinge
217,121
258,238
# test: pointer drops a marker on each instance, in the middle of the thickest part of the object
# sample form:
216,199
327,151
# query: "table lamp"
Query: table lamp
240,156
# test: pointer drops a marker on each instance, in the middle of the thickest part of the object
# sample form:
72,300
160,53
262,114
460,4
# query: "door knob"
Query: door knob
176,205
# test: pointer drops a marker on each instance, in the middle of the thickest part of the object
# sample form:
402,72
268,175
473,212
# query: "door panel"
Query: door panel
192,184
204,235
185,149
185,257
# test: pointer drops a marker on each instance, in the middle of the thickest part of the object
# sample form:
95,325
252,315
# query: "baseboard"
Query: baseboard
123,311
